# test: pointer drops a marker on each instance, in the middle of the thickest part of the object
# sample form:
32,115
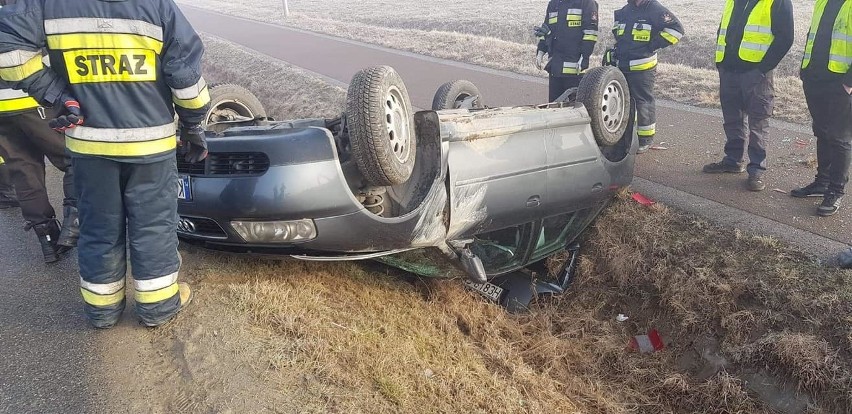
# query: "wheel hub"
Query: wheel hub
397,125
612,106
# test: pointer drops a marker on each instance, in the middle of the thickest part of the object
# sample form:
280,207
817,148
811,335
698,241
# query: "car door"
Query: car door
576,175
497,166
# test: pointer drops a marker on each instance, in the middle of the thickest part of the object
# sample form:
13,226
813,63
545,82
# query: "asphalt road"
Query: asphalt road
692,137
45,348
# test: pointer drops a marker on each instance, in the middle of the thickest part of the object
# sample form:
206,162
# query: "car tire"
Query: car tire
606,96
229,102
451,95
381,126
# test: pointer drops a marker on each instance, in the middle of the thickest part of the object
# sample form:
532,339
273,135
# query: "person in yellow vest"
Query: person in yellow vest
752,39
25,141
828,82
7,192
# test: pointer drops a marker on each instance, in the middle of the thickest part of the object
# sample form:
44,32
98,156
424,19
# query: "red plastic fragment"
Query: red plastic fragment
641,199
647,344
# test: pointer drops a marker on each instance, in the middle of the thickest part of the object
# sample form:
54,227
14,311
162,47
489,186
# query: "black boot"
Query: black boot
70,228
48,234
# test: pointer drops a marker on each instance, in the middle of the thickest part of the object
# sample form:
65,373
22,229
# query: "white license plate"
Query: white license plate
491,291
185,191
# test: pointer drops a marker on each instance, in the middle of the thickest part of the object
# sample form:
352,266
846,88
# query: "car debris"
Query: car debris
647,344
641,199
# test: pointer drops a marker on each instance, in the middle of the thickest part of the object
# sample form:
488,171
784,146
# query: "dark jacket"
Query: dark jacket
642,30
573,40
782,29
817,70
130,64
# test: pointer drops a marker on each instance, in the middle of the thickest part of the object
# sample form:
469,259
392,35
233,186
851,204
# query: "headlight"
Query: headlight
275,231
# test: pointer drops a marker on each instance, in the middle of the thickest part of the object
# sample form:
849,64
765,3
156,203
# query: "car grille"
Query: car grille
200,227
226,163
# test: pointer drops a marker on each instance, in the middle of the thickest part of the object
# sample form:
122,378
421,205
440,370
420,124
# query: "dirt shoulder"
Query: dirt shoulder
749,324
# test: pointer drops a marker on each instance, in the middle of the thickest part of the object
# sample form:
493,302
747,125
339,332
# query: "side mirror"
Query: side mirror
472,265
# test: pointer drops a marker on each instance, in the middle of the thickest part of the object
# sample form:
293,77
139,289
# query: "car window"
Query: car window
500,250
428,262
557,231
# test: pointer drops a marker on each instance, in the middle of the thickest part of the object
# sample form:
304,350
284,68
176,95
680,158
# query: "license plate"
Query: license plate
490,291
185,191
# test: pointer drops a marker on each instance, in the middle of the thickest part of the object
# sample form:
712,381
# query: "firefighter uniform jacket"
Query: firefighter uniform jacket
573,33
642,30
130,64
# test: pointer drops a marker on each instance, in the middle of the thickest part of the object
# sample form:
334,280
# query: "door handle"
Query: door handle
534,201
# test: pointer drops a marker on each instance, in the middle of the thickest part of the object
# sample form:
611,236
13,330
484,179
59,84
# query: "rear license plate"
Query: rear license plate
491,291
185,191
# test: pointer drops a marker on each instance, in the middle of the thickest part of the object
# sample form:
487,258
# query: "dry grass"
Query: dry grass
286,92
347,337
354,338
497,34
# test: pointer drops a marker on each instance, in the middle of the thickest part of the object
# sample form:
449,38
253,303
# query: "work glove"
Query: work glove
541,60
609,58
69,116
193,143
541,31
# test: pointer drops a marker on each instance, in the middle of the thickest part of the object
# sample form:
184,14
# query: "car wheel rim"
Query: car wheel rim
612,106
396,121
225,112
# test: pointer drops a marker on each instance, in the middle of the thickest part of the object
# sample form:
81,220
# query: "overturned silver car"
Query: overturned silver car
489,189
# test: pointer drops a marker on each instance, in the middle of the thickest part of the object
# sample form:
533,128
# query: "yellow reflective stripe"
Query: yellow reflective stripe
102,300
121,149
2,161
19,104
643,64
103,41
159,295
593,38
21,72
646,131
671,39
195,103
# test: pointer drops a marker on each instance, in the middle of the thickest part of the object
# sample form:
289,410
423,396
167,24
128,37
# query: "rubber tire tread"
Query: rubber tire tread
229,91
446,95
365,112
590,94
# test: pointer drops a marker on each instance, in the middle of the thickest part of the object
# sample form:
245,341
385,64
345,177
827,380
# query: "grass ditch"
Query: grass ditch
500,38
734,310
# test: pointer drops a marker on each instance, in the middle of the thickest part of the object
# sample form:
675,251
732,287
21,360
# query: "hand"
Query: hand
69,116
541,60
541,31
193,142
848,89
609,58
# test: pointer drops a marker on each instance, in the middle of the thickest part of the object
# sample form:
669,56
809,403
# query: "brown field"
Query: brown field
497,34
735,311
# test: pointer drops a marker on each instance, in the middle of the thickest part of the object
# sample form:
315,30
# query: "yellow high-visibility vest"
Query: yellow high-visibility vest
840,53
757,34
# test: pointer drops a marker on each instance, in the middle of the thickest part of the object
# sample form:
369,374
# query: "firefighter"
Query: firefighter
753,37
827,81
7,192
120,69
25,141
566,41
641,28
